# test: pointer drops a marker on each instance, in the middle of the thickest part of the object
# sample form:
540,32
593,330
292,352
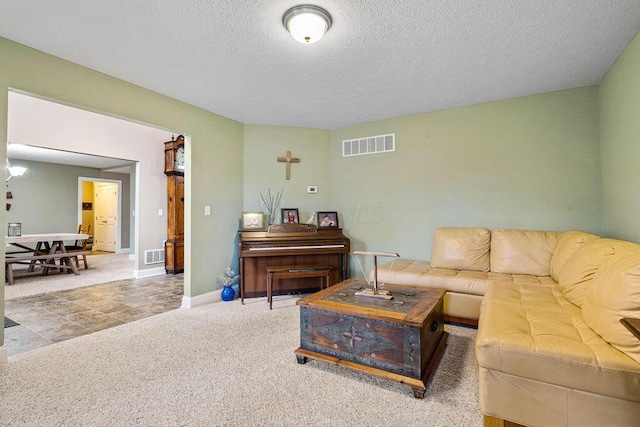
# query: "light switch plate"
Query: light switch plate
312,189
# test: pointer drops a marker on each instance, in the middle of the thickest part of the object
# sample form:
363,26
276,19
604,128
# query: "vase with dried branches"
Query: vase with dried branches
270,202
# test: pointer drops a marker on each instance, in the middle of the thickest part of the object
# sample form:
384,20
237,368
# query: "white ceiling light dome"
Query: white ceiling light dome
307,23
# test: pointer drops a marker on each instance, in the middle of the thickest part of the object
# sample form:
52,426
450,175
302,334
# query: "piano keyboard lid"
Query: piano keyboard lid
289,248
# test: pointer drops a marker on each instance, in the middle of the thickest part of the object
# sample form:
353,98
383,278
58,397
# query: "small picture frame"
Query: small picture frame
253,221
289,215
328,219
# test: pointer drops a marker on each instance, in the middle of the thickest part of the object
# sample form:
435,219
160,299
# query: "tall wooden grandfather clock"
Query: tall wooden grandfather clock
174,169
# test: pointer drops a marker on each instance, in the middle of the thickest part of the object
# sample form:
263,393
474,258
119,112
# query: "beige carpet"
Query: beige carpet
223,364
102,269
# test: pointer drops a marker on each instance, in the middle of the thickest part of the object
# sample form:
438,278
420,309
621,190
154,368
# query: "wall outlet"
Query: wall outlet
160,212
312,189
207,210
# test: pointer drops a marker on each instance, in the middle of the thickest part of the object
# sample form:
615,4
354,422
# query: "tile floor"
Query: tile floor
57,316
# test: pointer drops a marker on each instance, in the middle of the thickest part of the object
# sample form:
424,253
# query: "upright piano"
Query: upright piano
290,244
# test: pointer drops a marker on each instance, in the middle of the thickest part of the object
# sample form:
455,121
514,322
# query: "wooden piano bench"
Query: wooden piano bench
295,272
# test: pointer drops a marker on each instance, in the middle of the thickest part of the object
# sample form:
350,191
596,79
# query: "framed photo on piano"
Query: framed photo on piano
327,219
253,221
290,216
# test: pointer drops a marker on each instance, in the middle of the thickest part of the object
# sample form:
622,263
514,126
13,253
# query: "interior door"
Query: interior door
106,208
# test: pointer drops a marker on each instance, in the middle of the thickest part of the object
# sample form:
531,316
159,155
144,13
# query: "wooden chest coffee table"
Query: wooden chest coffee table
399,339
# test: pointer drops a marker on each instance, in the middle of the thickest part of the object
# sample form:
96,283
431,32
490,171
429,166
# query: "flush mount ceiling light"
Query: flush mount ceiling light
307,23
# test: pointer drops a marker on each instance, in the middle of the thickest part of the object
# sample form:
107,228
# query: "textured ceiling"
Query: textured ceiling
381,59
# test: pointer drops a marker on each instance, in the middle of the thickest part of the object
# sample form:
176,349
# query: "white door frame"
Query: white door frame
119,214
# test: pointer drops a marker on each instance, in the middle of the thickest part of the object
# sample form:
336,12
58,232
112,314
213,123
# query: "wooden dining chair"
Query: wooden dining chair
80,245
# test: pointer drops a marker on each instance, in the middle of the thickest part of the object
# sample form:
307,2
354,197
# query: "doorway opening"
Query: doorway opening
66,133
66,130
101,207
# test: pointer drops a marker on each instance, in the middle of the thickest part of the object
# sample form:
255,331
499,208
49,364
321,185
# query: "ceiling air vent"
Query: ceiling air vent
369,145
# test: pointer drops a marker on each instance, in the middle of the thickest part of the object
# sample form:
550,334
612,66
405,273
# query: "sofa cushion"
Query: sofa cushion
534,332
568,243
461,248
421,273
614,294
522,252
578,271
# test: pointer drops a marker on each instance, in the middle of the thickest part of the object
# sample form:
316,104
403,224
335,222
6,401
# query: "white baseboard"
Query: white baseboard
209,297
148,272
3,355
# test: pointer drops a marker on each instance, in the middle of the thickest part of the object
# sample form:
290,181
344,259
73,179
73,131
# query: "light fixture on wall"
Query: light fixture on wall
13,171
307,23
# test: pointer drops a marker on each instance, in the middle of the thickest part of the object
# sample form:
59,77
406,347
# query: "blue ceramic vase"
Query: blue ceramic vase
228,293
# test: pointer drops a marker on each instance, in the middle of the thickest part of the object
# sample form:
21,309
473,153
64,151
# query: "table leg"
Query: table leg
38,251
52,251
67,259
9,273
270,290
57,249
325,280
241,282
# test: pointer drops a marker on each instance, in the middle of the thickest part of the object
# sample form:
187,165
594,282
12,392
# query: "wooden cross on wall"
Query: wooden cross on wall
288,160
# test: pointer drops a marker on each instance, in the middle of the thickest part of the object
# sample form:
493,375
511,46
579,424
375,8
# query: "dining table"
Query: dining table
40,250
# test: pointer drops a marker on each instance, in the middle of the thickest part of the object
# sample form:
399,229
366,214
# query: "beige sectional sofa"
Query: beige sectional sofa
465,260
550,345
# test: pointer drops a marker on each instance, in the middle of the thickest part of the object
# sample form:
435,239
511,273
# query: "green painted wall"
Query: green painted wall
45,205
620,139
214,147
264,144
523,163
